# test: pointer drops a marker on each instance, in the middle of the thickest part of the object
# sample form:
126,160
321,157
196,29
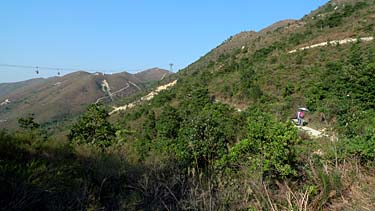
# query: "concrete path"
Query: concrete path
312,132
147,97
334,42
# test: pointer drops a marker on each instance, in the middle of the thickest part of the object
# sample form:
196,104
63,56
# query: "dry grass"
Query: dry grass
359,193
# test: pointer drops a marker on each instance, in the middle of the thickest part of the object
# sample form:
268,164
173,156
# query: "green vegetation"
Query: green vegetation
269,147
28,123
221,139
93,128
335,18
45,175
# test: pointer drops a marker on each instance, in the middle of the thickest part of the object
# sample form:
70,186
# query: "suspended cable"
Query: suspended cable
60,69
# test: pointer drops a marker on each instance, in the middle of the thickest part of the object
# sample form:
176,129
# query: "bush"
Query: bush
261,54
268,149
362,147
201,141
168,124
93,128
360,136
336,18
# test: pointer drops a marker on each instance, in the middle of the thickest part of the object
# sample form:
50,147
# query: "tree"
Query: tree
168,123
269,148
201,141
93,128
28,123
194,101
149,126
249,83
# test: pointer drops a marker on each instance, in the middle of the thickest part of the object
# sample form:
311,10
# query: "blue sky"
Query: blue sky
118,35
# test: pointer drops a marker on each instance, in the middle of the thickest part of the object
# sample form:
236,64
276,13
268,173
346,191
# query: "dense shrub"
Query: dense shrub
168,124
262,53
336,18
362,147
269,148
201,140
93,128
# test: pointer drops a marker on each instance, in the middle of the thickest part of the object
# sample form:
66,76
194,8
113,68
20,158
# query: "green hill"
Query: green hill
197,122
221,138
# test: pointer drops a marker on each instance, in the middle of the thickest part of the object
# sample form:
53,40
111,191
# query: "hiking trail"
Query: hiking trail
147,97
106,89
6,102
334,43
311,131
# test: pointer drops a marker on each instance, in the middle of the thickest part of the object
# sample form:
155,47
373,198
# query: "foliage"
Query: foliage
201,141
28,123
194,101
344,88
168,124
187,150
269,147
336,18
93,128
362,147
298,38
248,83
54,177
149,126
262,53
360,136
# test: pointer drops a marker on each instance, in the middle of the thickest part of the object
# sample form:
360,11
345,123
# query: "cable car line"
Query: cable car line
39,69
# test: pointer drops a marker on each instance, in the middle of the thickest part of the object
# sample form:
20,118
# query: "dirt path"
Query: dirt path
122,89
106,89
147,97
334,43
135,85
311,131
6,102
163,76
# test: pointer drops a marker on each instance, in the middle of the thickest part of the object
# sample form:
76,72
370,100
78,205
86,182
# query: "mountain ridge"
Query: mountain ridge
58,98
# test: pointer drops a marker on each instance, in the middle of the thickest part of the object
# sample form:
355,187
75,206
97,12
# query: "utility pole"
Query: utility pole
171,67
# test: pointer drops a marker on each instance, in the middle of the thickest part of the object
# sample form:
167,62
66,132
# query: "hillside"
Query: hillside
323,61
6,88
154,74
220,136
60,98
266,52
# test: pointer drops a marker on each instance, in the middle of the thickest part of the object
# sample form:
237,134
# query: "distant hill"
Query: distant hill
154,74
6,88
59,98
